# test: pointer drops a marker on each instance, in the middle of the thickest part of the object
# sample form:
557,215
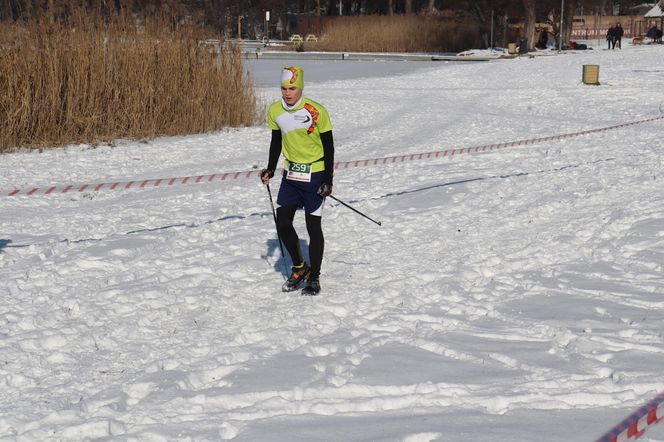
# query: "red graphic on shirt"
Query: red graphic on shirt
314,116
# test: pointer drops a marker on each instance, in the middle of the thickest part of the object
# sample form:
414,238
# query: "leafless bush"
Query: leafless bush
94,78
397,34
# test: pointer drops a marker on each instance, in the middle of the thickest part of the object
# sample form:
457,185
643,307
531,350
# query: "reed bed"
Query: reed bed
397,34
95,80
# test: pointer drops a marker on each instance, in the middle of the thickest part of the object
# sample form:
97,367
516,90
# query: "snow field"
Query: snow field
513,295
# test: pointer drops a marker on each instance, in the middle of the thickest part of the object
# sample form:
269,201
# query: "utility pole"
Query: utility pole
491,45
562,11
239,27
267,26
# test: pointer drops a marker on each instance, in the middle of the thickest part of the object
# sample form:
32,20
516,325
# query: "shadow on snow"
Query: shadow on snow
4,243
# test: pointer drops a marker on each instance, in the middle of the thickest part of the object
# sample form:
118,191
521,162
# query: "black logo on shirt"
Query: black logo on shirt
303,118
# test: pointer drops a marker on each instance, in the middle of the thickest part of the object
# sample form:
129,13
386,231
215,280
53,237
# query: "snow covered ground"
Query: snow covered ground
512,296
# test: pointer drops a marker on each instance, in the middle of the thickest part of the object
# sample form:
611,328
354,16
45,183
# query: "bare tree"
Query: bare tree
431,6
531,18
11,9
214,13
568,18
488,11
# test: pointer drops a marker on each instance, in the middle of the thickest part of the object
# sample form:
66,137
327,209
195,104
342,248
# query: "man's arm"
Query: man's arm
328,155
275,151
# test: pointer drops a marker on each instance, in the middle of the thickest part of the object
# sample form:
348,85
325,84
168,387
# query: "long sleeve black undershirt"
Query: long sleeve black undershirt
275,150
328,153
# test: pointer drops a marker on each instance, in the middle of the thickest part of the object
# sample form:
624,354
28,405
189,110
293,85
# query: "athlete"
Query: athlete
302,130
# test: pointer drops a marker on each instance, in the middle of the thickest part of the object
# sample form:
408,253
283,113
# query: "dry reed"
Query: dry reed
397,34
94,80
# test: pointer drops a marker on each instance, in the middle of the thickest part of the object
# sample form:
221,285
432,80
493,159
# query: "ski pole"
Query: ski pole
276,226
355,210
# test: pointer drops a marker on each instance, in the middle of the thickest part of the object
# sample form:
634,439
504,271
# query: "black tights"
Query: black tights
285,216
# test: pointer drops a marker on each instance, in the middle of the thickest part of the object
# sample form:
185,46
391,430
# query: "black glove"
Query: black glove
324,190
266,174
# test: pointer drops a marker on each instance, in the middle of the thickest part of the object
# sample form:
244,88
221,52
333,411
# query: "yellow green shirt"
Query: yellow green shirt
301,126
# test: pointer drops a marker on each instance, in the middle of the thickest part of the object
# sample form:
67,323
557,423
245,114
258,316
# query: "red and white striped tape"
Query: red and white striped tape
235,176
136,184
637,423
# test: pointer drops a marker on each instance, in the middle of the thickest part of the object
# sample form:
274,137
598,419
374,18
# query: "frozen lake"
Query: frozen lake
266,72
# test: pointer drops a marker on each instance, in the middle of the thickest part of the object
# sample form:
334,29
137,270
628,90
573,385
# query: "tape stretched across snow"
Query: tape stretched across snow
252,174
637,423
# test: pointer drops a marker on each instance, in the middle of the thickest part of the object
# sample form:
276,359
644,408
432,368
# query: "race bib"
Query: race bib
299,172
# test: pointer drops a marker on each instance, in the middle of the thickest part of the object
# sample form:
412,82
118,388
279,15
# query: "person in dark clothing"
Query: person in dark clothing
610,37
543,40
655,34
652,32
618,33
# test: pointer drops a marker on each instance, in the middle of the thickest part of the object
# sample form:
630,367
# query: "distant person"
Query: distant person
543,40
655,34
618,33
577,46
301,128
610,38
652,32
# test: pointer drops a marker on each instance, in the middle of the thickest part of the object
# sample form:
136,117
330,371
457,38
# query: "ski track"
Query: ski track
524,284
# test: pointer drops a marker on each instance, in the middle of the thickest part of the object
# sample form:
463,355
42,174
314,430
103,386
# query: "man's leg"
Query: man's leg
285,215
316,243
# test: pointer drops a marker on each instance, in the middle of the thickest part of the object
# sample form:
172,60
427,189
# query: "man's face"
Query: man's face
291,94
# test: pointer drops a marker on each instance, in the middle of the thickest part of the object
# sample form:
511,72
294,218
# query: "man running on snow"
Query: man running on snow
301,128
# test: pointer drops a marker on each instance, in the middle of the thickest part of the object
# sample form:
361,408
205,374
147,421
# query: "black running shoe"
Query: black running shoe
312,288
297,277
